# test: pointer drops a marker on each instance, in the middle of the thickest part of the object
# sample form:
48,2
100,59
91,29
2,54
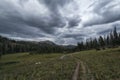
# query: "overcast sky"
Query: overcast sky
60,21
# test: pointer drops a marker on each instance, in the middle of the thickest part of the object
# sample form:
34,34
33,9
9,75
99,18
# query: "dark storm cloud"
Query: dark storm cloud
74,21
14,16
106,11
54,4
74,36
100,4
48,19
57,20
109,30
25,32
104,32
47,24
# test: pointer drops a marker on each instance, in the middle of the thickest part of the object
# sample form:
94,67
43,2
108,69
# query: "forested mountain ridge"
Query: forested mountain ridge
8,46
12,46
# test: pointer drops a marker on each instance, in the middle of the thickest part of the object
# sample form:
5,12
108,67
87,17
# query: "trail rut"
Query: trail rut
85,71
75,75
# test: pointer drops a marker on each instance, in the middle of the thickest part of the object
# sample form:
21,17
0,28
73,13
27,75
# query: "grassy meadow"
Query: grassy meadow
97,65
103,65
23,66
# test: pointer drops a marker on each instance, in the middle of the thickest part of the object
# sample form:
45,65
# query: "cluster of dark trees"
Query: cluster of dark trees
8,46
109,41
11,46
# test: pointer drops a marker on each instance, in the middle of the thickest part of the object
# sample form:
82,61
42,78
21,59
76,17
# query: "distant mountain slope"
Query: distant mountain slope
13,46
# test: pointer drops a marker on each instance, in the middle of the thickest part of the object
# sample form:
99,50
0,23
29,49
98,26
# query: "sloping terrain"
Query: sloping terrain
85,65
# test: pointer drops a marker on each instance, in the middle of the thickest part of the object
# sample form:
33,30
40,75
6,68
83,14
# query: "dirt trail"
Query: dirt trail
87,75
75,75
62,57
86,72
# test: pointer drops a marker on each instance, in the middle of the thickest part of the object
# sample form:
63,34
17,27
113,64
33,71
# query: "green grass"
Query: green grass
23,66
104,65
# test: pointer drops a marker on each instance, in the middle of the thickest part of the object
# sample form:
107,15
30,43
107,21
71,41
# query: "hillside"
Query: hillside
13,46
93,65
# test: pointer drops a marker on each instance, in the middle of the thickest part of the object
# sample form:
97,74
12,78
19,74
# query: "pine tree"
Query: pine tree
111,40
119,39
115,41
95,44
0,50
101,42
115,33
80,46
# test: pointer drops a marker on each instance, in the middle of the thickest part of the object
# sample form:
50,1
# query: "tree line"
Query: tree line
110,41
8,46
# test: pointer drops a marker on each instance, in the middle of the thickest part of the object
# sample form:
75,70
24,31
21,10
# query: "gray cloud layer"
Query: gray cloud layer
62,21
